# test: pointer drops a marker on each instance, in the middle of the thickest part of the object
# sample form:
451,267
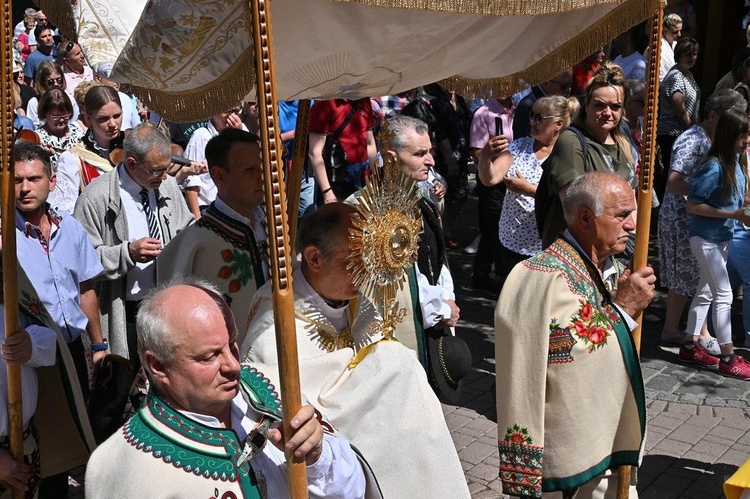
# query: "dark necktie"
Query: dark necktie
153,224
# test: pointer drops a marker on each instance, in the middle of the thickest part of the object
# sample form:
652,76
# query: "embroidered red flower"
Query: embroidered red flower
234,286
597,335
586,312
581,329
224,272
226,255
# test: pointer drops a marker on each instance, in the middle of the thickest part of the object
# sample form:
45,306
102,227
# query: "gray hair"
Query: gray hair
587,191
724,100
400,125
671,20
155,334
144,139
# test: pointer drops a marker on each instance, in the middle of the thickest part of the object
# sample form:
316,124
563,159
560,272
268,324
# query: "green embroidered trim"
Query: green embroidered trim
620,458
633,368
417,313
562,257
261,393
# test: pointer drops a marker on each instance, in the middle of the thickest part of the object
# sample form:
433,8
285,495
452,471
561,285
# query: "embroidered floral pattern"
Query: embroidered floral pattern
517,435
520,463
592,326
561,342
239,269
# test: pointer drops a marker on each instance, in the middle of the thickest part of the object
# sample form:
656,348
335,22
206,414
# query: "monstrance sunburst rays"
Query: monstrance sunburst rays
384,239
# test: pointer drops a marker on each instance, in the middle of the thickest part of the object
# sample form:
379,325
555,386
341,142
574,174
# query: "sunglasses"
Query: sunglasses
51,81
69,47
536,118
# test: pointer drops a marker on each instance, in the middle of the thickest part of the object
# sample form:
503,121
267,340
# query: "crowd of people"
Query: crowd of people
147,321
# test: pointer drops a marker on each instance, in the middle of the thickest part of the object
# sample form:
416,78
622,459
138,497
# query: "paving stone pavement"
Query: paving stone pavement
698,422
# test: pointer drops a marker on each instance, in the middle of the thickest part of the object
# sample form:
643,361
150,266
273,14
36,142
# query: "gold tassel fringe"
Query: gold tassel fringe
564,57
487,7
207,101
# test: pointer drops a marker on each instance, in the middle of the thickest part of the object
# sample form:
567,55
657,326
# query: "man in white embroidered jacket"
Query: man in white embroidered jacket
203,429
227,245
570,396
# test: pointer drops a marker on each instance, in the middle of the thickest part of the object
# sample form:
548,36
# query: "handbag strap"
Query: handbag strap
335,135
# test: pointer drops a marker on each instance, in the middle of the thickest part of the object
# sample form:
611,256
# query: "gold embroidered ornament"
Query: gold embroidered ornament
384,239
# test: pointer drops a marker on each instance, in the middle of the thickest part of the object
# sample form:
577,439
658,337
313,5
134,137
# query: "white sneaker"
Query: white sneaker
711,346
672,337
473,247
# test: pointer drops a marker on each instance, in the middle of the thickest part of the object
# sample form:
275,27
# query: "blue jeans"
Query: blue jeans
307,195
738,266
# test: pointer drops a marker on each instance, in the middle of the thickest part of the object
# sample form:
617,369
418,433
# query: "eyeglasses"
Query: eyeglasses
155,173
58,119
536,118
52,81
172,169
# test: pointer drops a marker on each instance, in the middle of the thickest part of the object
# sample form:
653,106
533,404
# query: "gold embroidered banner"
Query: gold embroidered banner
191,59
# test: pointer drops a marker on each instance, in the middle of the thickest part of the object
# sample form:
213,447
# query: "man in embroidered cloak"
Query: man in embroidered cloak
429,298
379,400
203,429
226,246
130,214
570,396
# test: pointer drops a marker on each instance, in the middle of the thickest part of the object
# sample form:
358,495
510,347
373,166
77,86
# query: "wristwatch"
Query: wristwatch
100,347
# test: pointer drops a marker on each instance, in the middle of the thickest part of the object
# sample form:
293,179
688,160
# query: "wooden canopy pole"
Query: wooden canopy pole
279,251
645,190
10,269
294,180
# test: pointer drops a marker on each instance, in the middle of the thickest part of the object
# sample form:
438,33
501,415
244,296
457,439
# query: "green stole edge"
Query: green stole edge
417,314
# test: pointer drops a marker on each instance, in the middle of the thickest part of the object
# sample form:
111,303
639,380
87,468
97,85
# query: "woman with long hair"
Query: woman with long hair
520,169
597,140
96,154
716,198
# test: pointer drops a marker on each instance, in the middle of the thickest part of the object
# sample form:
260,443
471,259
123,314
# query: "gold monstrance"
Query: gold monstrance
385,236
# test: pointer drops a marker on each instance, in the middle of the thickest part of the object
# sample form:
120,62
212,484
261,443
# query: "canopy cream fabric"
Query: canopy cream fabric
190,59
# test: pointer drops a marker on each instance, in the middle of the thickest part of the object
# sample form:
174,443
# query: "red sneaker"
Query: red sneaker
698,355
738,368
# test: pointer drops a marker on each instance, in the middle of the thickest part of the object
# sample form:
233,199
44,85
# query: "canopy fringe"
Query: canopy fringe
568,54
487,7
207,101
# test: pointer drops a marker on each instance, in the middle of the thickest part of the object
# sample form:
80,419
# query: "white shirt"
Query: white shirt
633,65
32,111
336,316
142,278
43,348
130,117
337,472
196,151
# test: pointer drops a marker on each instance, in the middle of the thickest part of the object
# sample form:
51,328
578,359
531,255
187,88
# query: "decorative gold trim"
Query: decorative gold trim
487,7
206,101
617,21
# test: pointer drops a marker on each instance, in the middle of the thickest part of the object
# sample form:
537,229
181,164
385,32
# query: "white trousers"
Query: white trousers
713,287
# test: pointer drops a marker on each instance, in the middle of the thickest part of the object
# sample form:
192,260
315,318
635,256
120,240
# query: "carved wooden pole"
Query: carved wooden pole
645,189
648,156
278,247
294,180
10,269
